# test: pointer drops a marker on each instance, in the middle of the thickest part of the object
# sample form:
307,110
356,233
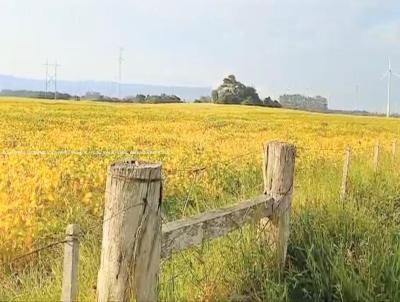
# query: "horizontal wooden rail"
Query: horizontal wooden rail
185,233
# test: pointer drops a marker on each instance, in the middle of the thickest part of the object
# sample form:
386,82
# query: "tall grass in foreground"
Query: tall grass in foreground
339,250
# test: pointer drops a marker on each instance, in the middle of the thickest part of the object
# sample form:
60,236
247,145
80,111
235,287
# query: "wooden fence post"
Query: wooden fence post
278,170
394,145
376,157
131,244
346,170
71,260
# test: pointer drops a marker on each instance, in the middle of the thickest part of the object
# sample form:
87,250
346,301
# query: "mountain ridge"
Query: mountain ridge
108,88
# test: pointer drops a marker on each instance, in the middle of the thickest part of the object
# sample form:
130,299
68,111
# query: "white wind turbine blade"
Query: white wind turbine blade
385,75
396,74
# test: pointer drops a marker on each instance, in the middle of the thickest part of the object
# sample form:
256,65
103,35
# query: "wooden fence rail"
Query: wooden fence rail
184,233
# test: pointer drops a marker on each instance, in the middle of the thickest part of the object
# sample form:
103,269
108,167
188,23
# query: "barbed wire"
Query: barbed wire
48,246
190,170
81,235
204,167
6,152
337,149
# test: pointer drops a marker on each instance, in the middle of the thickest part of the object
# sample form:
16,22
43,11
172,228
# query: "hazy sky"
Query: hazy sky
325,47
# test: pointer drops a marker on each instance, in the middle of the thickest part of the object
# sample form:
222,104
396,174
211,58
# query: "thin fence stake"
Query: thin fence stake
278,171
71,260
376,157
346,171
131,244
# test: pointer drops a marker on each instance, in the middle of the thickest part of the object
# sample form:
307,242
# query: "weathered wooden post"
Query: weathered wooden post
394,145
376,157
71,260
131,246
346,170
278,170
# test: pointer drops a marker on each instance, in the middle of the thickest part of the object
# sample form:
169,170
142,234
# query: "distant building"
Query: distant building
92,95
298,101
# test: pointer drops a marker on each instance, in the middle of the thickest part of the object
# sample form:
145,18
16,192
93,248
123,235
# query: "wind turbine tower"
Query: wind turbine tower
389,74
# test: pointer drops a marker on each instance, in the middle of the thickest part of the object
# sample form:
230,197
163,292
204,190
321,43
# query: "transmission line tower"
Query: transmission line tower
46,79
51,77
55,79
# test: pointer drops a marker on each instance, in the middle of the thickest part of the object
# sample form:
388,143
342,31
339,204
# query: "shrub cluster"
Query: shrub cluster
234,92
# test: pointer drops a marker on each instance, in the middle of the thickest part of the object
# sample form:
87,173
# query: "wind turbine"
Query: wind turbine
389,74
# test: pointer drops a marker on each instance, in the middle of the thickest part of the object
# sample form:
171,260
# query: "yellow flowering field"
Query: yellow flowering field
54,155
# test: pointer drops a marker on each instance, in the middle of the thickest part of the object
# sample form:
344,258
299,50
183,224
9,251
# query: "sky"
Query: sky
312,47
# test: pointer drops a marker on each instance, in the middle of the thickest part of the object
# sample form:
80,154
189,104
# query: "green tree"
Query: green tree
232,91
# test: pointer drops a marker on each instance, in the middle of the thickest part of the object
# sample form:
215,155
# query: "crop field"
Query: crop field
53,166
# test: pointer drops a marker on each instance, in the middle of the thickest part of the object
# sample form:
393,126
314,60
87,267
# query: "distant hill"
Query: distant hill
105,88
